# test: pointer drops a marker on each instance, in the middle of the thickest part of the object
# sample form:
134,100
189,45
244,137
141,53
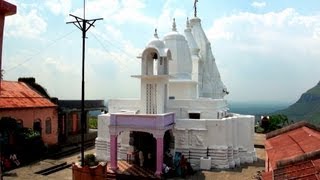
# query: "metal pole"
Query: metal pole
82,92
82,25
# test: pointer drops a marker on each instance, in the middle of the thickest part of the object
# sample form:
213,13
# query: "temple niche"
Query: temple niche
182,99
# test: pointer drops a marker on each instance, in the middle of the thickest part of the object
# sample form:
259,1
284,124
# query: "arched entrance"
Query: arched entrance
154,125
147,144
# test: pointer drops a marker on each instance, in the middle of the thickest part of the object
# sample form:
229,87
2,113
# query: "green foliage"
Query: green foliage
274,122
30,134
259,129
93,123
306,108
277,121
90,160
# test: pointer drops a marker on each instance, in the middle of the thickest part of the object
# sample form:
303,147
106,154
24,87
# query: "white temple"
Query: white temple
179,77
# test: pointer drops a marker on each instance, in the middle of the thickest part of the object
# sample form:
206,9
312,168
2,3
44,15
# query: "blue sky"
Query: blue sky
266,51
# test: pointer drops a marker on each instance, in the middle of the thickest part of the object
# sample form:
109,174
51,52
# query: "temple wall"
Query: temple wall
208,108
102,143
183,90
226,142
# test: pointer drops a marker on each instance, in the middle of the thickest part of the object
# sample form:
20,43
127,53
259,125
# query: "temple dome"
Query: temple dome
174,34
156,42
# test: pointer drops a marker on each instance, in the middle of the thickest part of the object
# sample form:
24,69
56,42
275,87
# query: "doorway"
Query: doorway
146,144
37,126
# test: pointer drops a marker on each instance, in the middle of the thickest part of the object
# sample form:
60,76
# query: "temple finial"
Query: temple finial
174,26
195,8
188,23
156,33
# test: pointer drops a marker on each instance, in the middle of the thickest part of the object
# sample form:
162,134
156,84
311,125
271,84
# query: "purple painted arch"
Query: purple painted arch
142,121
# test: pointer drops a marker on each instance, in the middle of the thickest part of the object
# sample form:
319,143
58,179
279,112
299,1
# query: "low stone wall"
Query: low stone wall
75,139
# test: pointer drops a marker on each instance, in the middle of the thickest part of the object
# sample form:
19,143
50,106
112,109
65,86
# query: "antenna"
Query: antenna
84,9
82,23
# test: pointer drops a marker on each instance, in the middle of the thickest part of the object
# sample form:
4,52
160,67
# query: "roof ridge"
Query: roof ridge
300,158
290,128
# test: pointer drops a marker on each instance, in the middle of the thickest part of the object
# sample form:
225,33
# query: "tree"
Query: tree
277,121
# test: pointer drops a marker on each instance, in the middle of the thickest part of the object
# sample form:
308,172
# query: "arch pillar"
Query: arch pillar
113,149
159,139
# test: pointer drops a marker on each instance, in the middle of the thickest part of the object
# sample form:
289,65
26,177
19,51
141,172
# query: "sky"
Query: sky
266,51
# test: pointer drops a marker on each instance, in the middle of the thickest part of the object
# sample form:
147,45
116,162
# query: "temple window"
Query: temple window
194,115
48,126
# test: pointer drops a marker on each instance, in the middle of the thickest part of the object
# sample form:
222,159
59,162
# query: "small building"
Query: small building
30,108
293,152
70,119
57,121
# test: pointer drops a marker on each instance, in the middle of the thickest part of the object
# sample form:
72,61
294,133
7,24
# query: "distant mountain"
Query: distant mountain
306,108
256,108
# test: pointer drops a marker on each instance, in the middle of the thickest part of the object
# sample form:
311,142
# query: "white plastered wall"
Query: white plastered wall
183,89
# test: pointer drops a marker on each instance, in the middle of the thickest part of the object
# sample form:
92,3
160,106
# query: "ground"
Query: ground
245,172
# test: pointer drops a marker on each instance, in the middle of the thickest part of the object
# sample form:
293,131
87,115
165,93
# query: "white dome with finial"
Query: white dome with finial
156,42
181,64
174,34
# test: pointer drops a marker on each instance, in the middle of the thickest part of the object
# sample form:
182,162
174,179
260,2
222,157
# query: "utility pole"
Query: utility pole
82,23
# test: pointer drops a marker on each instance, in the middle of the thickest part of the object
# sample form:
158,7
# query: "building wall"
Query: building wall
118,105
208,108
183,89
29,115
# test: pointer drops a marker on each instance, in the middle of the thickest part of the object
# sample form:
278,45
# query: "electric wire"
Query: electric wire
118,48
108,52
40,52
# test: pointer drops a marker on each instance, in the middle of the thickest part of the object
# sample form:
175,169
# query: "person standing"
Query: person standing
141,158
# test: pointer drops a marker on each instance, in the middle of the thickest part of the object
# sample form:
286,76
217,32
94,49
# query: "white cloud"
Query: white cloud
270,56
169,11
58,7
116,11
257,4
25,24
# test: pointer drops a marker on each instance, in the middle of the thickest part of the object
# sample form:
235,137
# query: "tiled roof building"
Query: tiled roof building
30,108
19,95
293,152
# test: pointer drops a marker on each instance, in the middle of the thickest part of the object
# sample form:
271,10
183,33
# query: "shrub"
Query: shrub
90,160
93,123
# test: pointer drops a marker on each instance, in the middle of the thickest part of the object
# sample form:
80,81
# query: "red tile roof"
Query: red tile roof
308,170
19,95
290,144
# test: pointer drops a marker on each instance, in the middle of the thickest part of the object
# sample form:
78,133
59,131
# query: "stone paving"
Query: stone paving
245,172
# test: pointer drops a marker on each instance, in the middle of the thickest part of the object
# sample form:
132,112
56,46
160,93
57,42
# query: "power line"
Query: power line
40,52
117,47
106,50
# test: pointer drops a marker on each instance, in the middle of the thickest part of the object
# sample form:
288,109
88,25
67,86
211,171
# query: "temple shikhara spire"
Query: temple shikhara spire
181,109
174,26
195,8
156,33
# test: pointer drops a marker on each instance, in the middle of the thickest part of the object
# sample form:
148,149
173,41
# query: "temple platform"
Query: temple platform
130,171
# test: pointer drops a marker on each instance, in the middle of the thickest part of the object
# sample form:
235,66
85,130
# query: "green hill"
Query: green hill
306,108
